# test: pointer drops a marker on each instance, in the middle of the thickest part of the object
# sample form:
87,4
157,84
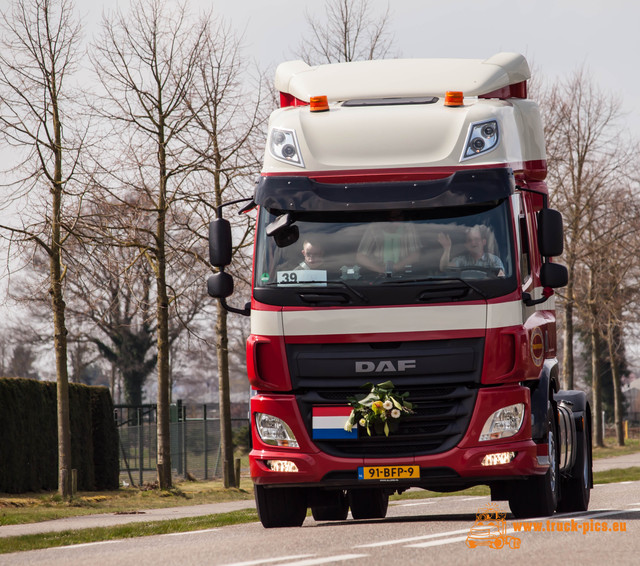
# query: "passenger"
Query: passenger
475,255
389,247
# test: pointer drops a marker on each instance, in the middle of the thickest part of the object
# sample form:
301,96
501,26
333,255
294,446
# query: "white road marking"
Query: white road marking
269,560
85,544
192,532
437,542
414,504
403,540
325,560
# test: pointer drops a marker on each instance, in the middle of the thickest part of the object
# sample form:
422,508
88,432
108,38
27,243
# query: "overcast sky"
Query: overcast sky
556,36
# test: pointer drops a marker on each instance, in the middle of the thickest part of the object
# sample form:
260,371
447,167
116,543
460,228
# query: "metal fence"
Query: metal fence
195,442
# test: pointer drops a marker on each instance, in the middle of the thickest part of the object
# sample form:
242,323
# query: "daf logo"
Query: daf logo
384,366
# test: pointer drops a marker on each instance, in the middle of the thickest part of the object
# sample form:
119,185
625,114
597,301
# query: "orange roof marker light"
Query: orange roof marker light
454,98
319,104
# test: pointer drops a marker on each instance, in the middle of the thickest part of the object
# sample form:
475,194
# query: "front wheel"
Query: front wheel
368,503
575,491
334,508
280,506
538,496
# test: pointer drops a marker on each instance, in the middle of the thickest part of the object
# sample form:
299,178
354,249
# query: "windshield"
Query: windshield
460,252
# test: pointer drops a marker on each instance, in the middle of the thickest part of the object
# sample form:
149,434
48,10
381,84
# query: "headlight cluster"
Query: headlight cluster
275,431
503,423
283,145
483,137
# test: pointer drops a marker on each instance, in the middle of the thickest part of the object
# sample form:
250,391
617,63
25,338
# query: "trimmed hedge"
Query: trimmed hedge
29,437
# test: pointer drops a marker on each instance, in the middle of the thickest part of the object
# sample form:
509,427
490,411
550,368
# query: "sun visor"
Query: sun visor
463,188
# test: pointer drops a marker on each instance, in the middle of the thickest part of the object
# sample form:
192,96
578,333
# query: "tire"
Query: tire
538,496
498,543
280,506
336,509
575,491
368,503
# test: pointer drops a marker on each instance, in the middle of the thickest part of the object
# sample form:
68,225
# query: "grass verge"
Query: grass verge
610,450
33,508
130,530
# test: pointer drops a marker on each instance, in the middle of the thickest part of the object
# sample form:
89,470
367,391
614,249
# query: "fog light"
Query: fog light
282,466
503,423
498,459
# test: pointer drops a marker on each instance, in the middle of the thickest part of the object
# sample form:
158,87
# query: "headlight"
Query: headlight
483,137
503,423
283,145
274,431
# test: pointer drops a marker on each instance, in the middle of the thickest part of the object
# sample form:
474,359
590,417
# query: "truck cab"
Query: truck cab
404,236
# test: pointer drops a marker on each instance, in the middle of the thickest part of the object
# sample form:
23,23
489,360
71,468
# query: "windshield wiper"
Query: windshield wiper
313,287
357,293
446,280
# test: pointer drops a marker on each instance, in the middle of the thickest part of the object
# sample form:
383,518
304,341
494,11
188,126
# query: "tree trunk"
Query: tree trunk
56,274
568,366
618,408
60,347
162,304
595,384
224,397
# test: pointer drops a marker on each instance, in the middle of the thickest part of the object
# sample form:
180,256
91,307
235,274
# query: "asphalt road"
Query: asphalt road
430,531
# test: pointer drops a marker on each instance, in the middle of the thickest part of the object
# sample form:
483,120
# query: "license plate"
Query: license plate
388,472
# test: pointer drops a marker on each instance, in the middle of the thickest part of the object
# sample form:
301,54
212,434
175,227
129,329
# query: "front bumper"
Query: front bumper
457,467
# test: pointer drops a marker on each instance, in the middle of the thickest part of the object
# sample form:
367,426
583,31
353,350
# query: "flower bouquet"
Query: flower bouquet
378,411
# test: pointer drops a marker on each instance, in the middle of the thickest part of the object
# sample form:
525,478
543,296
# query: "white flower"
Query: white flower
395,414
387,405
362,422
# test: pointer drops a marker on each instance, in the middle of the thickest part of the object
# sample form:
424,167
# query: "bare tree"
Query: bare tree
230,116
146,62
588,163
348,32
39,51
111,302
614,269
583,155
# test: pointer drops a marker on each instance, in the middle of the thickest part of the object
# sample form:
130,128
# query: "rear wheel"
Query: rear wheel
575,491
538,496
334,508
280,506
368,503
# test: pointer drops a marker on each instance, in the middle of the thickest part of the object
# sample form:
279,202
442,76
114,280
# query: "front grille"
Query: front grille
443,394
440,420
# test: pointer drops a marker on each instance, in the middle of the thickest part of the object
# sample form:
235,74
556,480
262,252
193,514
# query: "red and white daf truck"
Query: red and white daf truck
403,235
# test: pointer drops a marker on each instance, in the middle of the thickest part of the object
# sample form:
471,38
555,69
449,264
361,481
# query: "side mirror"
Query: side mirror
220,285
220,242
553,275
550,238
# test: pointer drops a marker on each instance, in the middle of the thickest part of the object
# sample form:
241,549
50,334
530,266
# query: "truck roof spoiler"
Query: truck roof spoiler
496,76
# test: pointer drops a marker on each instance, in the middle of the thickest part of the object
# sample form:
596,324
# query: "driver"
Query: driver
475,254
313,254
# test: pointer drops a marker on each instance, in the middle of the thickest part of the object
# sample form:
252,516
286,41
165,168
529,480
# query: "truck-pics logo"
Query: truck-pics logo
490,529
384,366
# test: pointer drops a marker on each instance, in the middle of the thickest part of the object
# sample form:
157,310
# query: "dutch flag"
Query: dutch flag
328,423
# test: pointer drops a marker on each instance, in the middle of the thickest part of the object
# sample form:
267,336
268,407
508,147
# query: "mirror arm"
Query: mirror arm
529,301
244,312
